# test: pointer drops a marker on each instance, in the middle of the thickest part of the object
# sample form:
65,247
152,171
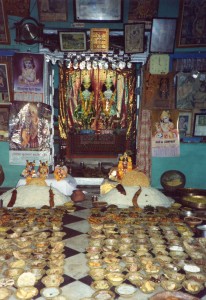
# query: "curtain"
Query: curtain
144,142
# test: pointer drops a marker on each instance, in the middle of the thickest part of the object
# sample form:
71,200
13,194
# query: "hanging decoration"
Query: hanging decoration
103,61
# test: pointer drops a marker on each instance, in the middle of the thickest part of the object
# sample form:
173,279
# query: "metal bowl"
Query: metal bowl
172,180
193,198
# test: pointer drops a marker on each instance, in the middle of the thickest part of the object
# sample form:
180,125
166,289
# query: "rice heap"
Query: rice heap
33,196
148,196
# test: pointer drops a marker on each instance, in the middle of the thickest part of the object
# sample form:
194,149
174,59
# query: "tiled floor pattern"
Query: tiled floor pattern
76,281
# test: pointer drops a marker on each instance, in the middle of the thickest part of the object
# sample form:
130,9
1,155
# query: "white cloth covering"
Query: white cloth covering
33,196
148,196
66,186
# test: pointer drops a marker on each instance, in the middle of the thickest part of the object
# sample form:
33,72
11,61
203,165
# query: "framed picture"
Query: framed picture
143,12
134,38
4,123
28,83
99,39
15,8
72,41
4,30
199,127
5,83
191,24
158,91
116,40
53,11
98,11
185,123
163,35
190,91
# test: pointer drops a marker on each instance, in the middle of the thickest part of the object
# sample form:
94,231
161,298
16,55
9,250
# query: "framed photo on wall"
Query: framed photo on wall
5,86
163,35
116,40
14,8
158,91
134,38
185,123
99,39
53,11
4,123
143,12
4,30
191,24
98,11
199,127
190,91
72,41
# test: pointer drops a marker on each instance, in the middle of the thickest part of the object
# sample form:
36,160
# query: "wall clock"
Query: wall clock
29,31
159,63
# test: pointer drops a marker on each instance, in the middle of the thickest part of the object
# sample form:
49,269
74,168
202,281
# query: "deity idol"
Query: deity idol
85,108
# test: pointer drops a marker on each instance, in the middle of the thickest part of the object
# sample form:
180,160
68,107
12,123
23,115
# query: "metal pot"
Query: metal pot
201,230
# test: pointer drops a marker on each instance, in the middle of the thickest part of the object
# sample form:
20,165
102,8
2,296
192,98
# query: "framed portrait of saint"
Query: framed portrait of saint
134,38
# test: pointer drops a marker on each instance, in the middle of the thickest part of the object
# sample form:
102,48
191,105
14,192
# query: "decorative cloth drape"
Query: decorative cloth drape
144,142
120,113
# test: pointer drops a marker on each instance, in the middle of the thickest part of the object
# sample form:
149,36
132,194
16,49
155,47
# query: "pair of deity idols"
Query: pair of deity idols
85,112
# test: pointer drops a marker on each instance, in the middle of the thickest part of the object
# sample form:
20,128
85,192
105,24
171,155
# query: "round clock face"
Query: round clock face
159,64
29,31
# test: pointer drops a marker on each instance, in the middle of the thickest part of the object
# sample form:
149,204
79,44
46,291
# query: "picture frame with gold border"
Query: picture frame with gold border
99,39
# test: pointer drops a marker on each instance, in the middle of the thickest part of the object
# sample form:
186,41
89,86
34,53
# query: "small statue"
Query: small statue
108,101
29,170
43,170
60,172
120,168
124,165
84,112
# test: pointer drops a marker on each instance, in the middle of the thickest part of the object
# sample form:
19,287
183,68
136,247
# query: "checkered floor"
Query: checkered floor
77,283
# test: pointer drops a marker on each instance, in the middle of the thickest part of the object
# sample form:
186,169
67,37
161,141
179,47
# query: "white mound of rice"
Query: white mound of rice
148,196
33,196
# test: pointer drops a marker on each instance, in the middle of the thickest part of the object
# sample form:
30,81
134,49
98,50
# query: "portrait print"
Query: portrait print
29,126
28,77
